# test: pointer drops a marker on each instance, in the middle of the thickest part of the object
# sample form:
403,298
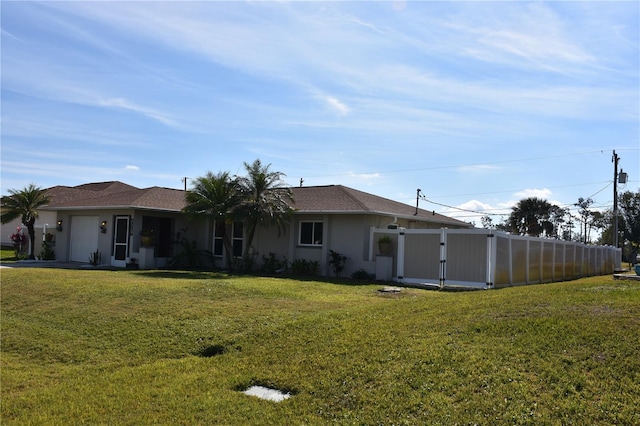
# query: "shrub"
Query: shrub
361,274
95,258
47,252
305,267
272,265
19,241
337,261
190,257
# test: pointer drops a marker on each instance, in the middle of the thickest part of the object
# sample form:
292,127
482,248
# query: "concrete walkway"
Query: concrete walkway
44,264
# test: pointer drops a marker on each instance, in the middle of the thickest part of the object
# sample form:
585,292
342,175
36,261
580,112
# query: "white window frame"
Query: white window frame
234,238
314,237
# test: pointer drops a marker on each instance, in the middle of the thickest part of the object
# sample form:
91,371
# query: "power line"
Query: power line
465,210
453,166
608,185
516,190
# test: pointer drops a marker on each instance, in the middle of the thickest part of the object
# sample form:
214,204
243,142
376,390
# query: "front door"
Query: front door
120,241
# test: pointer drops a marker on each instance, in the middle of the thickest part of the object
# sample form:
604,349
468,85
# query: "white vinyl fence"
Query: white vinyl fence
482,258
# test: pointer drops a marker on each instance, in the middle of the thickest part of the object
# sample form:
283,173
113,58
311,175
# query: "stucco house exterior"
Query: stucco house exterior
110,218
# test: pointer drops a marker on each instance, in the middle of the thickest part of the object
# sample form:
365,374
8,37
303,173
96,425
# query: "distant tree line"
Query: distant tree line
537,217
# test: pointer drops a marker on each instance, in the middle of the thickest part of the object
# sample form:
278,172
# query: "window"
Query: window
217,239
311,233
237,238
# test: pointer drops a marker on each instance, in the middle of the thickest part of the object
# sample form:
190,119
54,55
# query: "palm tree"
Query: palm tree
530,216
267,201
217,197
24,204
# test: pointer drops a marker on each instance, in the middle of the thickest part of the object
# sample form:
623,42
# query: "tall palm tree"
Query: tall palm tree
529,216
267,201
24,204
217,197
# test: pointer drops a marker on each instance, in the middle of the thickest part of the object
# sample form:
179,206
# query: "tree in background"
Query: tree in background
585,216
266,200
487,222
24,204
629,210
532,216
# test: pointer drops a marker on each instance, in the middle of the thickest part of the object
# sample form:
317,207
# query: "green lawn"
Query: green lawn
7,254
157,347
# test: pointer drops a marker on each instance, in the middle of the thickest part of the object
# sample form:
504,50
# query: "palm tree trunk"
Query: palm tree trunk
228,247
32,237
251,231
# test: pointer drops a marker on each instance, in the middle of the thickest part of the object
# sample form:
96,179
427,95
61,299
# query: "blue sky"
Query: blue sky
478,104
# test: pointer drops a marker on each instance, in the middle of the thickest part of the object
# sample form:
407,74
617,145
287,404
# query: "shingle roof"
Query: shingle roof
341,199
309,199
115,195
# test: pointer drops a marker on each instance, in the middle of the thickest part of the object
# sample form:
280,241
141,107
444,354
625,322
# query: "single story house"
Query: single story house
122,222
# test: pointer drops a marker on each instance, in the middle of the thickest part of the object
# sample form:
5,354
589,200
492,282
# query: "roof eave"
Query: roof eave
387,214
122,207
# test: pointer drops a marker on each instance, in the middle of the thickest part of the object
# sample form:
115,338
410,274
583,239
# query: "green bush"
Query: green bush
47,252
305,267
272,265
337,262
363,275
95,258
190,257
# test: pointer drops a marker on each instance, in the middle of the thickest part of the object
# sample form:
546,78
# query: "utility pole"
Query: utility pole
615,198
417,199
184,179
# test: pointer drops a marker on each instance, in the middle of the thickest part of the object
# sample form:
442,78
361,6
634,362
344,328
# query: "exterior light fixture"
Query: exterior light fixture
103,226
59,226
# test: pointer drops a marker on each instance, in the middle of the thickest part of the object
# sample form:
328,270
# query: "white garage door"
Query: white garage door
84,237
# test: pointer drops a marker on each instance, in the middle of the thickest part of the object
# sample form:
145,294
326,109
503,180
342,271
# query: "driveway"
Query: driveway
44,264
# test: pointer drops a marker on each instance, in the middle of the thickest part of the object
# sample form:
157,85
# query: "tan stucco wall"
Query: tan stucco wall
105,240
347,234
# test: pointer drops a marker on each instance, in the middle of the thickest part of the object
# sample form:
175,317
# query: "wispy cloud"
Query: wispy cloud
323,88
125,104
337,105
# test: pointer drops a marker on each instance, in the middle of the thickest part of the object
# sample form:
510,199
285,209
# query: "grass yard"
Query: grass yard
7,254
157,347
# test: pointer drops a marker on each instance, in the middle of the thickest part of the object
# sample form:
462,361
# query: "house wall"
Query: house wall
347,234
105,240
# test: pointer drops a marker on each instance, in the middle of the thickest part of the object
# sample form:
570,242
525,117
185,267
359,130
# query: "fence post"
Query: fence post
492,253
510,257
443,256
528,262
400,265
